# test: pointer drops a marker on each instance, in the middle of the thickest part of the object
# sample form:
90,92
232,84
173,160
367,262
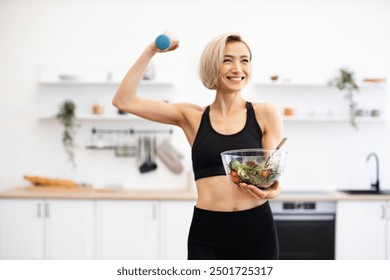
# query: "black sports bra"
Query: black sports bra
209,144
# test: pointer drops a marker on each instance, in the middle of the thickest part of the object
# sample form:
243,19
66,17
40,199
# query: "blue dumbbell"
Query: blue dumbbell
163,42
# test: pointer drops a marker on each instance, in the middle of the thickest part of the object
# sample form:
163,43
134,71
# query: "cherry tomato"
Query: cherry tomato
264,173
234,176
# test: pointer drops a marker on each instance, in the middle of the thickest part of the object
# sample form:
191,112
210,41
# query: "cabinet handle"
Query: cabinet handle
154,212
388,211
47,210
383,212
39,206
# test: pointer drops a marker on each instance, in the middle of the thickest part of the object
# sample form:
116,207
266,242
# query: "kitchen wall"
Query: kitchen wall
303,40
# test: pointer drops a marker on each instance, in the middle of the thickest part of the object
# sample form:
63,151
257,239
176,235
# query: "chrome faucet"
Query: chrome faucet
375,186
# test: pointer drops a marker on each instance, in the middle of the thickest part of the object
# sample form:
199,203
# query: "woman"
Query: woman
229,221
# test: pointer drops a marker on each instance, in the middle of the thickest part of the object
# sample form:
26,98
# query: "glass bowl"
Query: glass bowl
258,167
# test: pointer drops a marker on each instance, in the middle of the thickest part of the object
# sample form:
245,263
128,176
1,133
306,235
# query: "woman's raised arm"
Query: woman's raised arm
126,98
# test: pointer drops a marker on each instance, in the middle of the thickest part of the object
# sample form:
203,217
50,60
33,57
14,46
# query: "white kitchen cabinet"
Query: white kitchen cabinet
46,229
21,229
127,229
363,230
176,217
69,229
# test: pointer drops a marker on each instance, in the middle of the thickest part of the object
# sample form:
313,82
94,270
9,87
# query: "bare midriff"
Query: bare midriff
218,193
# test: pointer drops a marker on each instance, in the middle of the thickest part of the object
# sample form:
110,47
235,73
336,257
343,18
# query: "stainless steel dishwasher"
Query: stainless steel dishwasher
306,229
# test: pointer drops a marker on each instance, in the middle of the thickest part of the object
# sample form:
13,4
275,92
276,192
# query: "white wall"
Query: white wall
294,38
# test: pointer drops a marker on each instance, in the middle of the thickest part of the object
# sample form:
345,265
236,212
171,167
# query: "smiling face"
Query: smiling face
235,70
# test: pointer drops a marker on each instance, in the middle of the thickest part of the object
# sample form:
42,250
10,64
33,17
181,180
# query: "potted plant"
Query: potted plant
67,117
345,81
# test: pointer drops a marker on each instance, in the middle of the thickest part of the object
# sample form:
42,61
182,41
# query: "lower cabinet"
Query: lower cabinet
363,230
127,229
153,229
176,217
46,229
94,229
21,229
143,230
70,229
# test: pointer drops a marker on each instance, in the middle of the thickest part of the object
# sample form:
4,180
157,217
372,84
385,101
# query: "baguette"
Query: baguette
50,182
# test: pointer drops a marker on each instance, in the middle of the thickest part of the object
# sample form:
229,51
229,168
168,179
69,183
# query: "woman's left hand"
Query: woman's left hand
257,193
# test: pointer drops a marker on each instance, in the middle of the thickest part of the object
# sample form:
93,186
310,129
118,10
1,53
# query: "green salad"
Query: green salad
261,175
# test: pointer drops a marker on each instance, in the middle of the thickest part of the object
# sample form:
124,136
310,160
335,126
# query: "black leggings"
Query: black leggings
242,235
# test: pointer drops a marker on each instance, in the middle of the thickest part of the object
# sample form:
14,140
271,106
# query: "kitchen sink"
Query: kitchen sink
383,192
375,189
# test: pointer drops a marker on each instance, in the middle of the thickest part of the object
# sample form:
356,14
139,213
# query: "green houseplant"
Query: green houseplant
67,117
345,81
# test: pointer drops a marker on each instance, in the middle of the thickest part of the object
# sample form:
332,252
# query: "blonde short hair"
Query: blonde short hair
212,58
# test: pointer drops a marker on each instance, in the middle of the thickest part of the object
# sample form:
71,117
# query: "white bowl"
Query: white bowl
258,167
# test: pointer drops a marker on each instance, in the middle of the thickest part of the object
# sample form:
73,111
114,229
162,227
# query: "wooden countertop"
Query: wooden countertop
129,194
90,193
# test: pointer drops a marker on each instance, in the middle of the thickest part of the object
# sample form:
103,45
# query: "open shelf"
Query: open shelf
330,119
91,117
314,84
103,83
89,74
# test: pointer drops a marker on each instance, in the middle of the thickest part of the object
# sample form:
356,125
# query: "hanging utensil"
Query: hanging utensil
153,148
170,157
148,164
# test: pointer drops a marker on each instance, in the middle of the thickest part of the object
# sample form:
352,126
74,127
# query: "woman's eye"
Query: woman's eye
227,60
245,60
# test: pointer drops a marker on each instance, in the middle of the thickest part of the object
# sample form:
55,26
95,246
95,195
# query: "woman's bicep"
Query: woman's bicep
154,110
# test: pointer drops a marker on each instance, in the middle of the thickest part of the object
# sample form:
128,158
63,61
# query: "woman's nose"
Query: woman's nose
237,67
